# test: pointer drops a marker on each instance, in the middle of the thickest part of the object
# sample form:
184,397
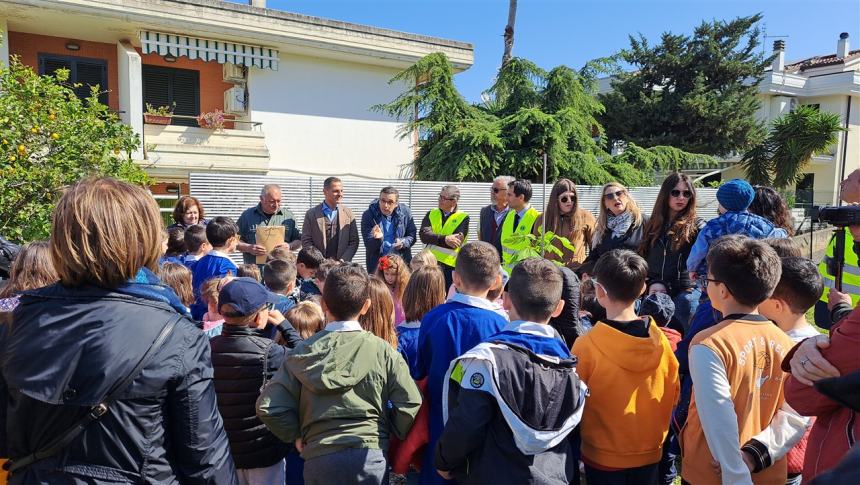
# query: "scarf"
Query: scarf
146,285
619,224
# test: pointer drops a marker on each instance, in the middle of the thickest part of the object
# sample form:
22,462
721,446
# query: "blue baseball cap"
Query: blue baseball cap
245,296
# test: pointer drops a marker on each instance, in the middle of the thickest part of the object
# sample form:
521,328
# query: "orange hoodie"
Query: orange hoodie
633,385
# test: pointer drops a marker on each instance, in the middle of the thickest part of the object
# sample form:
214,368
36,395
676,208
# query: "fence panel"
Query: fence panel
228,194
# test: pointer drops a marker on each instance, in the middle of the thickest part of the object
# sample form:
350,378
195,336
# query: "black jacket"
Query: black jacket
567,322
670,266
478,445
244,360
630,240
62,351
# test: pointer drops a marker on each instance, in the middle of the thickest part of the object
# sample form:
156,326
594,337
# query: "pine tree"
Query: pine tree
696,93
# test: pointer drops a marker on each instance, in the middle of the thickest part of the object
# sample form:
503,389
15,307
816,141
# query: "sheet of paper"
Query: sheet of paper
269,237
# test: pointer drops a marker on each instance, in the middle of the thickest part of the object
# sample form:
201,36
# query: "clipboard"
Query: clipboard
269,237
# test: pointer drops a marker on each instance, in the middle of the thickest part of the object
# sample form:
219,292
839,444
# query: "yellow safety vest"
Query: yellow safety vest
445,256
527,221
850,272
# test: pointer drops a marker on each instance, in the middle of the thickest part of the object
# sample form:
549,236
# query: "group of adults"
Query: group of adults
387,227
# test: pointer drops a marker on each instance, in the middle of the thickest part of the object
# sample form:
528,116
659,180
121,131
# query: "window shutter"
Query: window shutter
88,72
186,95
91,74
163,86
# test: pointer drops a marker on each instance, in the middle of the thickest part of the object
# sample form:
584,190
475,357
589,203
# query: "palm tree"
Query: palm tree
509,32
780,159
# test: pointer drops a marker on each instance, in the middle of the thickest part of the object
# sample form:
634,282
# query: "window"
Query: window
87,72
803,191
163,86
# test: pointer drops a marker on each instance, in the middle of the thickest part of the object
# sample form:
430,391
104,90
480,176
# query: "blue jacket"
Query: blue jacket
407,343
447,332
743,223
208,267
404,229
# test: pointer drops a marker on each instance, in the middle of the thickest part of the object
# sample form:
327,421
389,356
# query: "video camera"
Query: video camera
844,216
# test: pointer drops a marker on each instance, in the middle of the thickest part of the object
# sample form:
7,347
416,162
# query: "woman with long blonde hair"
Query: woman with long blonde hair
379,319
619,223
394,271
564,217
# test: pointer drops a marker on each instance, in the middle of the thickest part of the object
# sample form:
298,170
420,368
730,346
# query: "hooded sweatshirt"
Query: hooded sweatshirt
342,388
510,405
633,385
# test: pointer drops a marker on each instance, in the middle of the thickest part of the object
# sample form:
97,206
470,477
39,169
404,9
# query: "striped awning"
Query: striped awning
209,50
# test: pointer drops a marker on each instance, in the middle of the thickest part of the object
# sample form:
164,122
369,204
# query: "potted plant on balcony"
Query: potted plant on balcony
213,120
161,115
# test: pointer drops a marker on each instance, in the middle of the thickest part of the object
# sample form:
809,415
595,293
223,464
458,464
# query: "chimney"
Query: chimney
842,46
258,3
778,61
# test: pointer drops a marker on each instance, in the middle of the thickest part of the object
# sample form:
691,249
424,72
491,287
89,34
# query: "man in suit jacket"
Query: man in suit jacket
330,226
387,227
490,226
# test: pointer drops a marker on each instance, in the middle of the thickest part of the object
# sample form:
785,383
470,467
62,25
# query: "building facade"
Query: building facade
830,83
297,90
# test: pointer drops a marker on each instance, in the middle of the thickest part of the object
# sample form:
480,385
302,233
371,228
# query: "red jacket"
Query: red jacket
835,426
410,451
673,336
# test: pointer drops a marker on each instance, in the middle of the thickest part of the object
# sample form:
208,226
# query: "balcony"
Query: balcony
175,151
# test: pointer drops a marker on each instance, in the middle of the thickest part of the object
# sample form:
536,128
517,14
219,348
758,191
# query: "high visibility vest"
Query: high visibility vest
446,256
850,272
509,251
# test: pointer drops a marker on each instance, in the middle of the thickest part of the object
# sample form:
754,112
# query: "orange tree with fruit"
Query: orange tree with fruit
49,138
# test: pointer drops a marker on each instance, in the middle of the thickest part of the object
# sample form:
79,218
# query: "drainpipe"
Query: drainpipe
844,148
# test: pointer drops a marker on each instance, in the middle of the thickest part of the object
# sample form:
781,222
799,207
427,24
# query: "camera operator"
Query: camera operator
839,303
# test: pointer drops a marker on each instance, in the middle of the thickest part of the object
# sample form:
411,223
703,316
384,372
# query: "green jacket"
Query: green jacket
333,391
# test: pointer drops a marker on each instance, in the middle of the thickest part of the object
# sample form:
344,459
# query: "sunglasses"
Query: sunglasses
447,198
613,195
496,190
564,199
678,193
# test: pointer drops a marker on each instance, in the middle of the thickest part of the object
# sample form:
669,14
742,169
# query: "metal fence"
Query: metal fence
228,194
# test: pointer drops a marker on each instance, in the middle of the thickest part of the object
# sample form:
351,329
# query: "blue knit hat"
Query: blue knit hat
658,306
736,195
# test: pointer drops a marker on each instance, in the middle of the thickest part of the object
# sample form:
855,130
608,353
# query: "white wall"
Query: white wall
317,119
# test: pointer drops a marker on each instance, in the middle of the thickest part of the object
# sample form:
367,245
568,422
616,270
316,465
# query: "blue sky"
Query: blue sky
571,32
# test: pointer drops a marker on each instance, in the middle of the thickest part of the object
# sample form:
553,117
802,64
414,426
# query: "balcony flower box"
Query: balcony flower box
154,119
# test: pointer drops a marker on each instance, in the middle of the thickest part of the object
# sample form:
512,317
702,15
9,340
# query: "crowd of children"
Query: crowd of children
326,374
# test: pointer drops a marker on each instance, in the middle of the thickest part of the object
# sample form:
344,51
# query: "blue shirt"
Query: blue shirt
407,343
328,212
389,234
213,265
447,332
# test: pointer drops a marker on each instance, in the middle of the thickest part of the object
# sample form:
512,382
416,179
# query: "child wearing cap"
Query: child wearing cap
735,197
244,360
660,307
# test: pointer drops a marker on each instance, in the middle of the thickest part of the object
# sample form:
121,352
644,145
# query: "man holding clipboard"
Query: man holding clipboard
266,226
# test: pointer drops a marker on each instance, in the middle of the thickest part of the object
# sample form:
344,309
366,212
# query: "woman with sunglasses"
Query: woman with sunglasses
619,225
565,218
667,239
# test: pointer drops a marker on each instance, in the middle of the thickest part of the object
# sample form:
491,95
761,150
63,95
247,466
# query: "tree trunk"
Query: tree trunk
509,31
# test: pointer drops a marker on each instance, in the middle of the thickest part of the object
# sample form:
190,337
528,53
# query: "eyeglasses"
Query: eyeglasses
564,199
678,193
704,281
447,198
613,195
496,190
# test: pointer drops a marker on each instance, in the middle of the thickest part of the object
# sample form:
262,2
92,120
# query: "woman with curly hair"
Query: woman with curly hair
394,271
770,205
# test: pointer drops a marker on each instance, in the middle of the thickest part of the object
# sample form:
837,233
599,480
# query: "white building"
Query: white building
300,87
